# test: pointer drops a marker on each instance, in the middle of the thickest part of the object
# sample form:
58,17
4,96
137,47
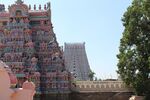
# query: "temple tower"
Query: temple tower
76,60
29,46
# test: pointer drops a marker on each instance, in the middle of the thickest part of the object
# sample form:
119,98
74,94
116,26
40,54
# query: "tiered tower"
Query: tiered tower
76,60
28,45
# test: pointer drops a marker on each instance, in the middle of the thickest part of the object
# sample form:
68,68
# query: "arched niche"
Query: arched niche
18,10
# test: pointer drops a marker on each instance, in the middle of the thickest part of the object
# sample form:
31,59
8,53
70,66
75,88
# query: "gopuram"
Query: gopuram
29,47
76,61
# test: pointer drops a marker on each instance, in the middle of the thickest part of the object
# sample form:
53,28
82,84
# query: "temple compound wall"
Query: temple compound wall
101,96
100,90
94,90
100,86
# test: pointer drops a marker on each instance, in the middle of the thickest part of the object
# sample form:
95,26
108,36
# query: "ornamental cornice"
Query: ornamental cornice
4,14
38,13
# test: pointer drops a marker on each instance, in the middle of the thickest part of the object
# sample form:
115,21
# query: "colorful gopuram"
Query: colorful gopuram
29,47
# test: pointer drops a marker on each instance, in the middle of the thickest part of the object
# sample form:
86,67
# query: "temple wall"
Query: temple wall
87,96
100,86
101,96
93,90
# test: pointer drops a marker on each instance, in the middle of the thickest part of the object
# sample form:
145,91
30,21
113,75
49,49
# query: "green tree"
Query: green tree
91,75
95,79
134,56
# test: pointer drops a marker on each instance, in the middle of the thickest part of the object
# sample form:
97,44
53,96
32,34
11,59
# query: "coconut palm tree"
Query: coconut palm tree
91,75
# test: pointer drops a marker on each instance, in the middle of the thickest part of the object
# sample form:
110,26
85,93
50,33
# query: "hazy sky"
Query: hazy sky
96,22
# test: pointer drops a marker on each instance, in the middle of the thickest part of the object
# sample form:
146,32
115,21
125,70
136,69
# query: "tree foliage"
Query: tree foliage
91,75
134,56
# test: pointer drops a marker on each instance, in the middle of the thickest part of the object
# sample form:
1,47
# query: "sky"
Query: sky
95,22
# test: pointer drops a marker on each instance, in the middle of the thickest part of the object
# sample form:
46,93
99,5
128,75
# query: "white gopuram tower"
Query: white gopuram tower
76,60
